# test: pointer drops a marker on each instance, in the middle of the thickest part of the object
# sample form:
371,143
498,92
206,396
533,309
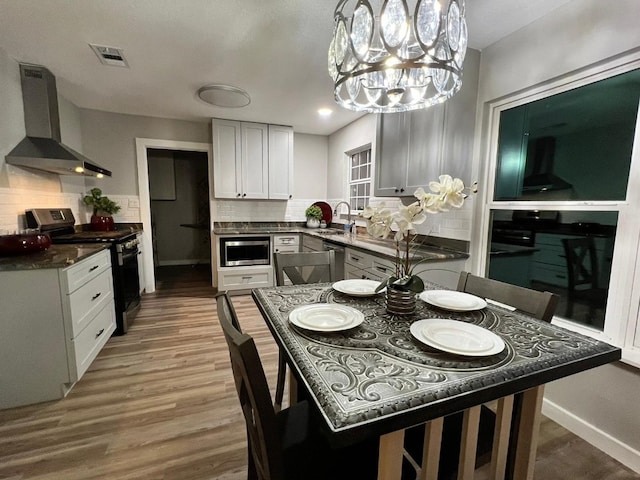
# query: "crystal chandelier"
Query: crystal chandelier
407,56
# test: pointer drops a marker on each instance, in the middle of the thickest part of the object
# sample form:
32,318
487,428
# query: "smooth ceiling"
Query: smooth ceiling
274,49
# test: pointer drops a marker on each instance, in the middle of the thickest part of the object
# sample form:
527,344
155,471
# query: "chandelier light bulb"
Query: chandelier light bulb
397,55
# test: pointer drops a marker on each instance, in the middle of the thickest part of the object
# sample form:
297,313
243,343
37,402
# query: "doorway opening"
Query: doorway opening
181,192
180,219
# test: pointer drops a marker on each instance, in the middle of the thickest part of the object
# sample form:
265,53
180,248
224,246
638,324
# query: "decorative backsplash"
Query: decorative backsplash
14,202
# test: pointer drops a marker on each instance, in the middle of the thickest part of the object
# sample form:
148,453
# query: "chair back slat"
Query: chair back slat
582,262
253,392
305,267
540,305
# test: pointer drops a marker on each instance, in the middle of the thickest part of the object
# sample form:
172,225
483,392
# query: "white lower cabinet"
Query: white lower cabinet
54,323
364,265
240,278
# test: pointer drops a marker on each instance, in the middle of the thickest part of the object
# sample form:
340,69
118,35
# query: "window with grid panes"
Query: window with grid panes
360,179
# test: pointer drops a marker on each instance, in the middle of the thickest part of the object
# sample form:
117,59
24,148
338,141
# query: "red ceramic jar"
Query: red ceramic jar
102,223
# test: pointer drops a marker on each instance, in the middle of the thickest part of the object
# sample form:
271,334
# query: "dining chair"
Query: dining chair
285,445
300,268
540,305
583,274
305,267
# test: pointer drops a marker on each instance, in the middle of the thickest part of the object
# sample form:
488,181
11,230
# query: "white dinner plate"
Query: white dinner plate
326,317
357,287
457,337
452,300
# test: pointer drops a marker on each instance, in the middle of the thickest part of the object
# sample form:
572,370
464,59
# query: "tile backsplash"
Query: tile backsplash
455,224
14,202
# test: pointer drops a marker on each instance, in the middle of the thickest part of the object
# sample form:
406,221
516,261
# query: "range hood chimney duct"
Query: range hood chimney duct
542,178
42,148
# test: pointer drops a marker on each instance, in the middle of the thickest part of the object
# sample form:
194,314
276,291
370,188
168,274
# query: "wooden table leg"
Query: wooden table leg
501,437
390,459
431,449
527,441
469,443
293,389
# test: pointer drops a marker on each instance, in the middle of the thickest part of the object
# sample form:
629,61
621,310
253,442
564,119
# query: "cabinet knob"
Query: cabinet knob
239,195
290,196
396,190
401,190
244,195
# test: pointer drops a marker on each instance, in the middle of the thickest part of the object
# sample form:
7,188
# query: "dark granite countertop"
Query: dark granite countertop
56,256
336,236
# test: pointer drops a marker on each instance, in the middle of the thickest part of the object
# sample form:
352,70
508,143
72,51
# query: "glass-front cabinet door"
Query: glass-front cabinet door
561,181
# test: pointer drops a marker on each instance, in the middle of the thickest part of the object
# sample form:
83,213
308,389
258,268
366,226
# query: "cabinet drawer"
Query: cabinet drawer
384,268
79,274
238,279
86,346
285,241
87,300
358,259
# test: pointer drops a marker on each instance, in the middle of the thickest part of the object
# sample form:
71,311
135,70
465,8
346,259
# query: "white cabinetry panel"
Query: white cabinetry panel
252,160
280,162
47,345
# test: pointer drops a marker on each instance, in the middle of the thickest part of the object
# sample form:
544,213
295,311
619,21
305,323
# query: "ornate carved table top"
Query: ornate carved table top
376,378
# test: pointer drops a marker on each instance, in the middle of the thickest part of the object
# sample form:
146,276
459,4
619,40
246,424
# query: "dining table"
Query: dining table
383,374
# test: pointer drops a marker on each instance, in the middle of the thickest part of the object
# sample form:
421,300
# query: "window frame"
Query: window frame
350,154
622,317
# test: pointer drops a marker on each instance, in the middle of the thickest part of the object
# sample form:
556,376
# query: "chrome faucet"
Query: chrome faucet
335,211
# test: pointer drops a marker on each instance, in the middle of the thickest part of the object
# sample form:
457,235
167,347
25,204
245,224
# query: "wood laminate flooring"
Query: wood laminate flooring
159,404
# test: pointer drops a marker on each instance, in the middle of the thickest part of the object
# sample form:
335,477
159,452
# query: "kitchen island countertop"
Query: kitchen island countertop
56,256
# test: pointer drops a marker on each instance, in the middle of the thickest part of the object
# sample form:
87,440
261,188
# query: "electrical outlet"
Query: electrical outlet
134,203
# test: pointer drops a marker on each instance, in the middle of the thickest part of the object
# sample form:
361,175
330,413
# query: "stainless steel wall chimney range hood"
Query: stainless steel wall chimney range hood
42,148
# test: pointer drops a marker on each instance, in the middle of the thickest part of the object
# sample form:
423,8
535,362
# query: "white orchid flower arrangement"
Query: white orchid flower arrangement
382,222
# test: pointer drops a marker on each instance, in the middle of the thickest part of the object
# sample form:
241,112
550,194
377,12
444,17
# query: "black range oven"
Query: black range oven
123,244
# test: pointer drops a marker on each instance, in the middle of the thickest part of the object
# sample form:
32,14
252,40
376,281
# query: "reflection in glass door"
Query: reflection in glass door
568,253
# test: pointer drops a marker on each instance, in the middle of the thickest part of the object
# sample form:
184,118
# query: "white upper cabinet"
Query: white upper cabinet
251,160
255,160
280,162
227,160
414,148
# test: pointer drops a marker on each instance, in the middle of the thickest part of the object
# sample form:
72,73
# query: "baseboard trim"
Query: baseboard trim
596,437
172,263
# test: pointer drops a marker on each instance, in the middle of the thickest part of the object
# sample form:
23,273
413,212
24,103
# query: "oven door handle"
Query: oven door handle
123,257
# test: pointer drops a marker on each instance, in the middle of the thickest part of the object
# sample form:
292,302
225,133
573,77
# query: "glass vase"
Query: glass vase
400,302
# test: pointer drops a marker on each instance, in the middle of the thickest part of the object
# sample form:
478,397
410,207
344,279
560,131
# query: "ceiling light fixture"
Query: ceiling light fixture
399,59
224,96
325,112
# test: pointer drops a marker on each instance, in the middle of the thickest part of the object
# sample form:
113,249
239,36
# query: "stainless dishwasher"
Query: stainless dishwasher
339,254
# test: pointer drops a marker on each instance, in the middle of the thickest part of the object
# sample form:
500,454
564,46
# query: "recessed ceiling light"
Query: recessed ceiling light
324,112
226,96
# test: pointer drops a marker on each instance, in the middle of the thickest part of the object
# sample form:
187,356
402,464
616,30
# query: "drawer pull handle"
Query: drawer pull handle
382,269
100,332
96,296
247,278
94,267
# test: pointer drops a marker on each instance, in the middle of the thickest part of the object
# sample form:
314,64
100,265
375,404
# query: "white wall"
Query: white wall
599,404
109,139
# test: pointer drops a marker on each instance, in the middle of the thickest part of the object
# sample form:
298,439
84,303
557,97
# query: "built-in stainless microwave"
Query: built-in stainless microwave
244,251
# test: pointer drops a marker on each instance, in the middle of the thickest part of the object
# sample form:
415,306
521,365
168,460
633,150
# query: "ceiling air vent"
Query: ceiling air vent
110,55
